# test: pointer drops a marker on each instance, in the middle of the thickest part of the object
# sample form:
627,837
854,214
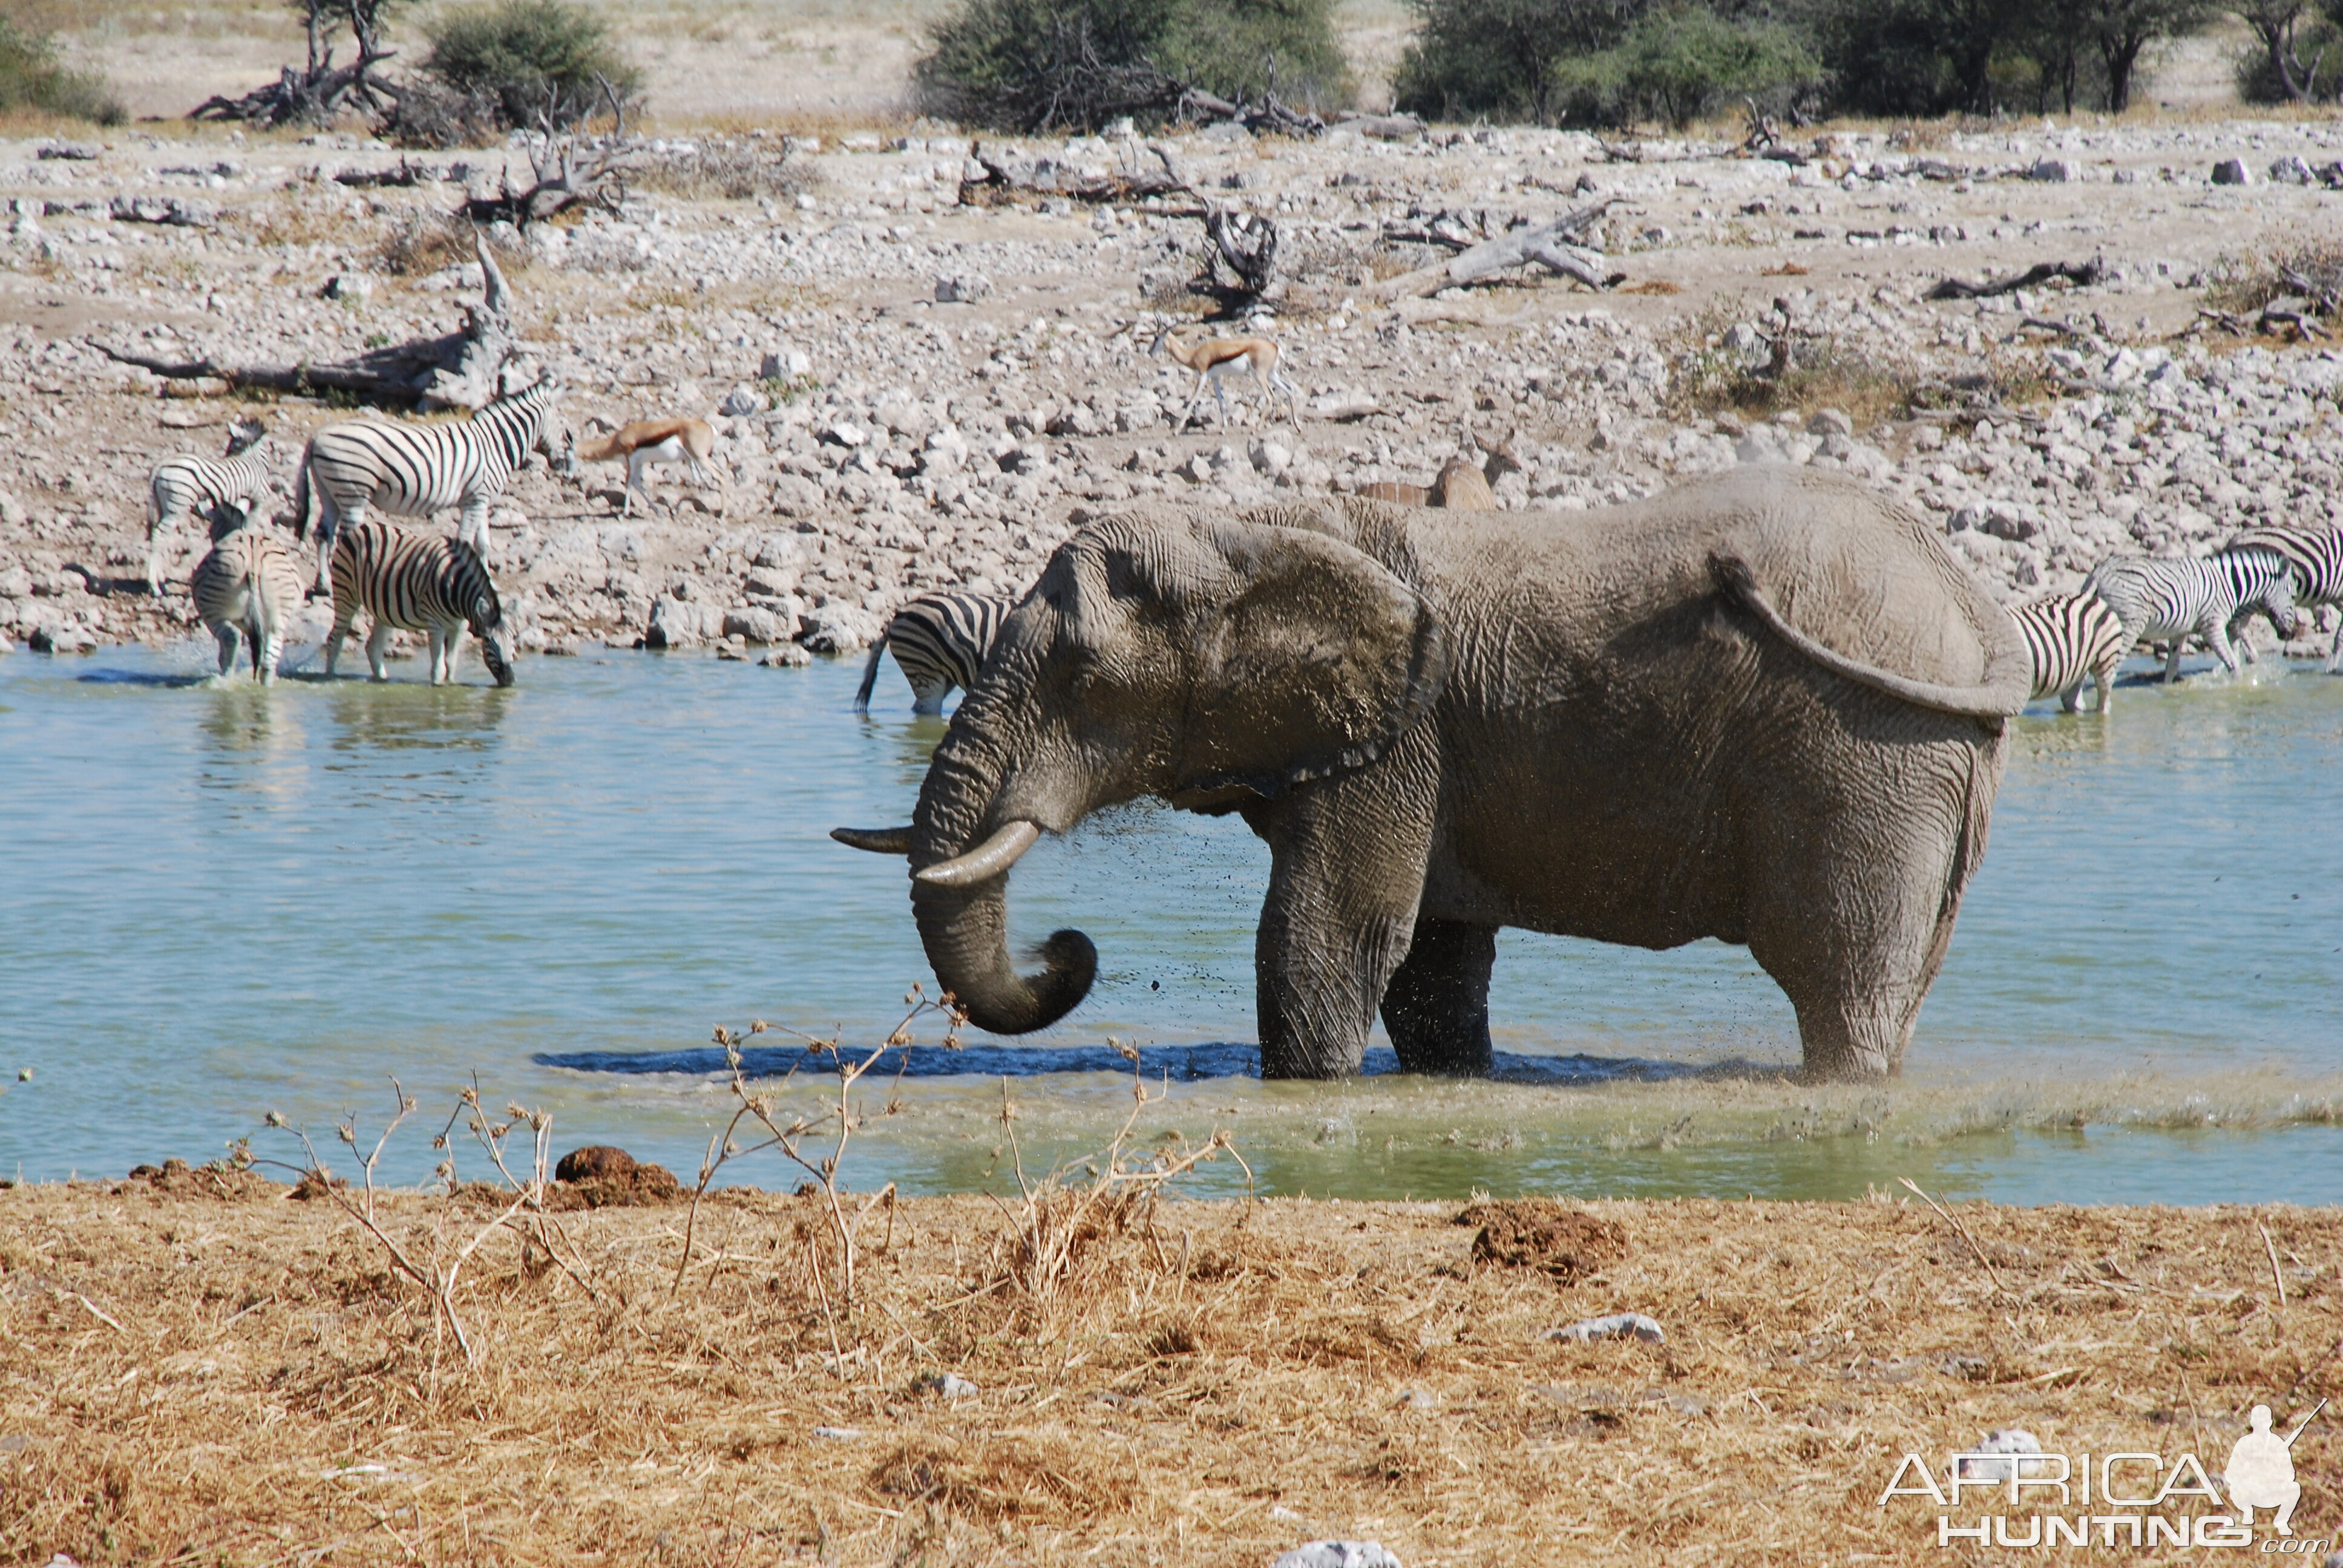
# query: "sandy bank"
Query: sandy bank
243,1378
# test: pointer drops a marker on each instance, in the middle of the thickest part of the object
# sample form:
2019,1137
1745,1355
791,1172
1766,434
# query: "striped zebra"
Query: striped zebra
414,470
2071,639
2316,557
249,586
940,641
2159,598
416,582
186,486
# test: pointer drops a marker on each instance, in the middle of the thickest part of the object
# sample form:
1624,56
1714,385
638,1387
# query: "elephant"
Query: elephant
1767,708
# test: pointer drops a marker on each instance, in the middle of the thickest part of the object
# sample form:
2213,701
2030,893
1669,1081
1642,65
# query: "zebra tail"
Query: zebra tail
869,675
301,497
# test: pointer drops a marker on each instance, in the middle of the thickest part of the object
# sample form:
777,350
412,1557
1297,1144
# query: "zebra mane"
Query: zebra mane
514,420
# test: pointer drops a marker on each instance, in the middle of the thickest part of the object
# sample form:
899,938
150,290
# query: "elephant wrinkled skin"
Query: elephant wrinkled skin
1766,709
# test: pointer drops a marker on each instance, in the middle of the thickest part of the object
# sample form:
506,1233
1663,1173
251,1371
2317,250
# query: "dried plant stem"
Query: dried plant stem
1963,1230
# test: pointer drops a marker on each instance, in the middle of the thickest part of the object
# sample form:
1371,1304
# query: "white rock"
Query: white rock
2059,171
1269,457
2232,172
740,403
1618,1325
1830,422
352,286
2290,170
962,288
785,364
836,628
946,1385
679,623
2012,1440
1337,1554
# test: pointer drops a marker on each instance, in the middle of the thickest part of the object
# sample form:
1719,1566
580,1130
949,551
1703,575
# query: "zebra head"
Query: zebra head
244,433
224,519
486,615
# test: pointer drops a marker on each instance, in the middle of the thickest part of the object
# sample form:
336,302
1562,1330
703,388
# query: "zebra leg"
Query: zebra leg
376,641
2105,678
2071,698
931,699
334,641
2335,654
1437,1005
472,528
2216,638
225,632
2172,661
266,656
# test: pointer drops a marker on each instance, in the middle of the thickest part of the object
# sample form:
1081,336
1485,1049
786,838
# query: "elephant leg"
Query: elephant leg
1346,873
1437,1006
1858,968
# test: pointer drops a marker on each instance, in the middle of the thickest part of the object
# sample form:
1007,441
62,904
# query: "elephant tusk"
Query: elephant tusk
878,840
987,860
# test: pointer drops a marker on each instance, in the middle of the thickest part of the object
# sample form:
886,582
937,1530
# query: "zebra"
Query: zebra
2157,597
250,584
414,470
2071,639
186,486
2316,558
940,641
416,582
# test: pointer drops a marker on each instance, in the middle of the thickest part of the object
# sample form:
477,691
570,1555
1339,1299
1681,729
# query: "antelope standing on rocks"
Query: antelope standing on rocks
669,443
1214,360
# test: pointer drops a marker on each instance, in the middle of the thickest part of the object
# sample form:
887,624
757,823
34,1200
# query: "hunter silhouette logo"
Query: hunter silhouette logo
2261,1470
2131,1498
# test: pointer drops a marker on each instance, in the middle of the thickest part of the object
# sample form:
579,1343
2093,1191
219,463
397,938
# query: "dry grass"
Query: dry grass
201,1370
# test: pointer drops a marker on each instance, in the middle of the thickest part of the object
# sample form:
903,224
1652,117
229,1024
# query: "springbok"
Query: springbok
1214,360
669,443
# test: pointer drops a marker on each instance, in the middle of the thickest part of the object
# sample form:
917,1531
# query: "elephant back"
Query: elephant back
1855,570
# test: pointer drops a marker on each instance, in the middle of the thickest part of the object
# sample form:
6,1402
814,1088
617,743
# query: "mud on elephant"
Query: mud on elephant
1766,709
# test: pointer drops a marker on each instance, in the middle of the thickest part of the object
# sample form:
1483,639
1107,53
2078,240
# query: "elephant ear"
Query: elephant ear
1314,662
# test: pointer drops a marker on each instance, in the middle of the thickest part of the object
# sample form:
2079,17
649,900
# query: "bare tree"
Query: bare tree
2276,24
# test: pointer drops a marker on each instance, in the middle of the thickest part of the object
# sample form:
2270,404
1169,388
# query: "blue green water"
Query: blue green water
218,903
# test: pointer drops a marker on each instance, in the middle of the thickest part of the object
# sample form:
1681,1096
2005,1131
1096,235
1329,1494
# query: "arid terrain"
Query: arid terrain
903,443
199,1370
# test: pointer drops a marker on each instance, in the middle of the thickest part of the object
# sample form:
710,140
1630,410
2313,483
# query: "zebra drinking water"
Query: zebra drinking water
414,470
249,584
2071,639
2316,557
940,641
416,582
2159,598
186,486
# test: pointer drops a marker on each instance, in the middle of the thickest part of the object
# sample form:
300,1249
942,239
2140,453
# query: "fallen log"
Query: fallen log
461,370
2082,275
1550,245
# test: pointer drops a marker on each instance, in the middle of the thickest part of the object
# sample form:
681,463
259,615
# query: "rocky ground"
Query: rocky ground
878,442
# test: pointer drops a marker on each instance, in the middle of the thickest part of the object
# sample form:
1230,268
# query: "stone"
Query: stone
845,433
1337,1554
679,624
174,211
836,628
355,286
2232,172
945,1386
789,656
2056,171
740,403
962,288
60,637
1830,422
784,364
2014,1442
1617,1326
2290,170
756,624
1269,457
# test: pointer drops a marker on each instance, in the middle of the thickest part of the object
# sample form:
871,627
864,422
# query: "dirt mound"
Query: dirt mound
177,1178
1540,1234
600,1177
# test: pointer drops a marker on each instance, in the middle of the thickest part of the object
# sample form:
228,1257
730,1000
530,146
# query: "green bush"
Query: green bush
1686,61
1512,59
531,57
33,79
1076,65
2319,50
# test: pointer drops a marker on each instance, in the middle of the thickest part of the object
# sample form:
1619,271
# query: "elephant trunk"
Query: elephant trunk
964,926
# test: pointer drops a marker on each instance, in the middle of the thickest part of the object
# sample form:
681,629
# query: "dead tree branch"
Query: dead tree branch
2082,275
1552,245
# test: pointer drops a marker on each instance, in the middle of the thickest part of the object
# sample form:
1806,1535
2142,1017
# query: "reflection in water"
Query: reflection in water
564,885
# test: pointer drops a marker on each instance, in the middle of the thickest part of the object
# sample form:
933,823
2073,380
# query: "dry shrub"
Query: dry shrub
1540,1234
423,241
725,169
1014,1477
2309,270
1823,371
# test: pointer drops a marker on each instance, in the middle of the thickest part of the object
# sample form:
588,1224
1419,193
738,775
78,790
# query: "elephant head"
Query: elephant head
1206,662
